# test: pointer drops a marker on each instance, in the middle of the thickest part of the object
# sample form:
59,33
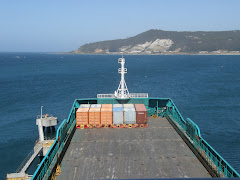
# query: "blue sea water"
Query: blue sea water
202,90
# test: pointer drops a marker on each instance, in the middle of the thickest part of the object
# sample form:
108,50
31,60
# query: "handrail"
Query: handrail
176,115
217,162
30,160
138,95
209,154
46,166
44,116
24,161
131,95
105,96
212,155
43,166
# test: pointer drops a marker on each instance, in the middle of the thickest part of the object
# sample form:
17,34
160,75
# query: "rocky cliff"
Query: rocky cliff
168,42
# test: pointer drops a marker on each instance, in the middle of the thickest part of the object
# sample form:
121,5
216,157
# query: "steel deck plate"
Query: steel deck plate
153,152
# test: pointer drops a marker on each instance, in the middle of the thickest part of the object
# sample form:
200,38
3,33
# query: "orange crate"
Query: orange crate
106,114
82,116
94,116
106,106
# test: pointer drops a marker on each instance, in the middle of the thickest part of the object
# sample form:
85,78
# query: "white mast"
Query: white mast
122,91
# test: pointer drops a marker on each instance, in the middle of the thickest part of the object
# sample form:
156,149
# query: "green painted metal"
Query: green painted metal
48,163
220,165
125,101
192,132
156,106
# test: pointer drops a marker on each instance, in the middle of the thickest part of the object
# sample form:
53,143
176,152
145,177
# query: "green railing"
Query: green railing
156,106
48,163
192,133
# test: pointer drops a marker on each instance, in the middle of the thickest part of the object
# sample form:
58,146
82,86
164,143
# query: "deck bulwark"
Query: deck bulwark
153,152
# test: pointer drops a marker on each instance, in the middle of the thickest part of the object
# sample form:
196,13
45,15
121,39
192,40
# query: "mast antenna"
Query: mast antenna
122,91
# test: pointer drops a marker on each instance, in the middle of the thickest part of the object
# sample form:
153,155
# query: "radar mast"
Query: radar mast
122,91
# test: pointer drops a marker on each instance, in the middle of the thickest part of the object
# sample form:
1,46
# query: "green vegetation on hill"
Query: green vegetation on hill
188,42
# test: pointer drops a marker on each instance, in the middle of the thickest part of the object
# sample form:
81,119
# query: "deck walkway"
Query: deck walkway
153,152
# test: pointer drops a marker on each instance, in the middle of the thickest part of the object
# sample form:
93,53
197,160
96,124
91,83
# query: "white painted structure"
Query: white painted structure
40,127
122,91
41,147
47,120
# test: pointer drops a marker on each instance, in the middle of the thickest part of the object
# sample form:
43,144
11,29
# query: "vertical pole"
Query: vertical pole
41,112
40,128
122,79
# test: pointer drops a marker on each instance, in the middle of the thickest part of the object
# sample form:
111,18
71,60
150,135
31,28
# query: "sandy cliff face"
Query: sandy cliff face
149,47
168,42
157,46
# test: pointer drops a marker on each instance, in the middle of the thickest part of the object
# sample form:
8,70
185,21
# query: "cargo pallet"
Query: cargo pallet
86,126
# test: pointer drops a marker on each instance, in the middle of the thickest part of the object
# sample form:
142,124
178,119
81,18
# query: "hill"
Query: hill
168,42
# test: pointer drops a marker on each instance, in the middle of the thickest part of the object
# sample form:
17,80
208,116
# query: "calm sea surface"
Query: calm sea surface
201,89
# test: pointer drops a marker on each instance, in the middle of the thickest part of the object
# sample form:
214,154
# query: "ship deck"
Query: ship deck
153,152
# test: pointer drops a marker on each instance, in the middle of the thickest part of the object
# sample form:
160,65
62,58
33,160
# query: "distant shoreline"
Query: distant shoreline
201,54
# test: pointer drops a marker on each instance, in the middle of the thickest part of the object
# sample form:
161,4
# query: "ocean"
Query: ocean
204,88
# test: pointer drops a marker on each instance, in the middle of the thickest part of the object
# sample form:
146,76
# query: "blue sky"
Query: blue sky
60,26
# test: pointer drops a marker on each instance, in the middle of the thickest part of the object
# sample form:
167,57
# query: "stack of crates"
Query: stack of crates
141,114
129,114
106,114
95,114
117,114
82,114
